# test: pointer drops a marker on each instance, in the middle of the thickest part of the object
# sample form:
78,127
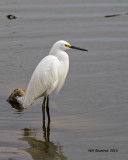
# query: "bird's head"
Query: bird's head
63,45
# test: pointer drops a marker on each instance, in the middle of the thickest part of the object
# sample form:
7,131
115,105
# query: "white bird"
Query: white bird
49,75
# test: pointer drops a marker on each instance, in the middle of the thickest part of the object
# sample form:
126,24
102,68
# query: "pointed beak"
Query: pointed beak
73,47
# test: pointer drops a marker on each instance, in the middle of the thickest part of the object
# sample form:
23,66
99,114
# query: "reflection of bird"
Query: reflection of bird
49,75
39,149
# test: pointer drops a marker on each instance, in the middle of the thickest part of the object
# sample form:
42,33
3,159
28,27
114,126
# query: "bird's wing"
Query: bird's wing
42,80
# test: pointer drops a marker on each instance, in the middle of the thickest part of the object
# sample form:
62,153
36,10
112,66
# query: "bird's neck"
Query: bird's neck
61,55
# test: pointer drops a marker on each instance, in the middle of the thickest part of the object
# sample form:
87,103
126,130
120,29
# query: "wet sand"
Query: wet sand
91,110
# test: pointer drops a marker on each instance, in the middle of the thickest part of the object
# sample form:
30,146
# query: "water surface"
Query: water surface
91,110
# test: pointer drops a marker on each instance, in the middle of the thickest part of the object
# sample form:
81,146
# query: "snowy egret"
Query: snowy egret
49,75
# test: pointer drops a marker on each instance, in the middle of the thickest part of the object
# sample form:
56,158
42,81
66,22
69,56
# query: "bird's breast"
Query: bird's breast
62,74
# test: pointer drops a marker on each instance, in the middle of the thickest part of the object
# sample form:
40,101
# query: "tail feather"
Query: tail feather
20,100
23,102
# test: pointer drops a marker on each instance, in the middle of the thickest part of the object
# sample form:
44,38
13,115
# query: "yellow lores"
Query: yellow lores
67,45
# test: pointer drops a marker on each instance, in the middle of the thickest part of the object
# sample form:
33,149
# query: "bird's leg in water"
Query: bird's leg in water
47,108
43,108
46,131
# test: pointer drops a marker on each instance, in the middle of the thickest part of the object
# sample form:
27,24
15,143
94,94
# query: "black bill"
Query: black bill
73,47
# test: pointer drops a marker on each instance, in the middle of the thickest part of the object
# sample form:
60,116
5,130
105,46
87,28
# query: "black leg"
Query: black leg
48,131
43,108
47,108
44,130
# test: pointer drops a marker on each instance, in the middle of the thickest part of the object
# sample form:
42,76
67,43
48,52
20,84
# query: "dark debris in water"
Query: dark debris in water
112,15
115,15
11,17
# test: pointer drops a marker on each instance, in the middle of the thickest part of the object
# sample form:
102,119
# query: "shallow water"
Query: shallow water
91,110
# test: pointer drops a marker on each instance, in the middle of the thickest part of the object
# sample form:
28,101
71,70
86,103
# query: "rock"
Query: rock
12,99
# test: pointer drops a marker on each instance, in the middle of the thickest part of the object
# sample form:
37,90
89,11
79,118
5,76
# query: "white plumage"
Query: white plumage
49,75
